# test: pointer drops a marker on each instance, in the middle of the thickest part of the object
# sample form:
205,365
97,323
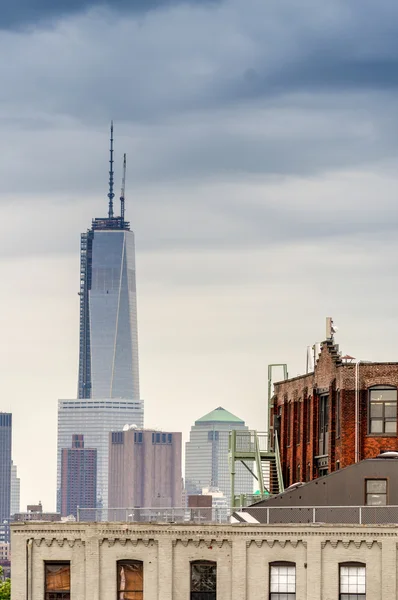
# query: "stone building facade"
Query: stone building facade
341,413
241,562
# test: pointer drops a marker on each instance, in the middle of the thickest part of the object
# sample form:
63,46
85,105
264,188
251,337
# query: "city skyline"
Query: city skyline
262,188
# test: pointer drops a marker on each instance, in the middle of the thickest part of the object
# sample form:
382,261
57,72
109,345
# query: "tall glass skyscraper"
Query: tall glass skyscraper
5,465
108,381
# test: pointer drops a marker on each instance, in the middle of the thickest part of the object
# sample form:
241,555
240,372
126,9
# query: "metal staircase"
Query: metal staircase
253,448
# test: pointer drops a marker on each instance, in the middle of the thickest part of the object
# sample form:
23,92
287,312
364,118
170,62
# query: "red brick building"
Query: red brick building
341,413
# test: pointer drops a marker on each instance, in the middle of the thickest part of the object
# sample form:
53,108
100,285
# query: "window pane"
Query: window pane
130,578
390,426
376,499
376,409
390,409
283,580
376,486
57,577
352,581
203,577
376,426
383,395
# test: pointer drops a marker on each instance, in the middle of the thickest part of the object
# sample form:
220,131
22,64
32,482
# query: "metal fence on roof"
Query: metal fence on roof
271,515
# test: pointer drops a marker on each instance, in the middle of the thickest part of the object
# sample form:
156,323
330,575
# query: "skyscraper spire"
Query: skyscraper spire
111,195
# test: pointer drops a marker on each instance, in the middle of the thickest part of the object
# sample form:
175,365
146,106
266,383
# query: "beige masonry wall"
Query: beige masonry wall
243,553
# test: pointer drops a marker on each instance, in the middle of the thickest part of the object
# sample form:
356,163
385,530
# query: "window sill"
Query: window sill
381,435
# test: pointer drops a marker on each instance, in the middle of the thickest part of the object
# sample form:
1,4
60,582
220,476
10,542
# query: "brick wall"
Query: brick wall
299,449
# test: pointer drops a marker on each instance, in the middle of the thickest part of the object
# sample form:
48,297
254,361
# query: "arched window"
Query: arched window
352,581
282,578
382,410
57,580
130,580
203,580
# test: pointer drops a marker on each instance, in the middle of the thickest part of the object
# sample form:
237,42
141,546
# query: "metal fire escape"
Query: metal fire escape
260,449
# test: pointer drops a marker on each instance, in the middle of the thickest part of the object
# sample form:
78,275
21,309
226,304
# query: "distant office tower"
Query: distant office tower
78,477
144,469
108,381
95,419
15,490
5,465
206,456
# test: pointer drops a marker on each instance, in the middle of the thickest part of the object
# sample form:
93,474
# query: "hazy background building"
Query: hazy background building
108,379
95,419
15,499
206,456
78,477
145,468
34,512
5,465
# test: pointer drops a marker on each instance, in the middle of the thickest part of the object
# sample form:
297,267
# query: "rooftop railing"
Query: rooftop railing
266,515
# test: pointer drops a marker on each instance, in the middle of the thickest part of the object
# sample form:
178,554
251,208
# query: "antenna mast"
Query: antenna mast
123,189
111,195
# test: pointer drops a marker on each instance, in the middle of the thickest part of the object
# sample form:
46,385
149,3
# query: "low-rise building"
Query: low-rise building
34,512
4,551
339,414
152,561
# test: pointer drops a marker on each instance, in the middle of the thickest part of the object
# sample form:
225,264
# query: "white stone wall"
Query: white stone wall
243,553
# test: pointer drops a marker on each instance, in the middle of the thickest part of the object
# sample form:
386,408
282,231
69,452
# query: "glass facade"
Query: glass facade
206,460
95,419
5,465
108,361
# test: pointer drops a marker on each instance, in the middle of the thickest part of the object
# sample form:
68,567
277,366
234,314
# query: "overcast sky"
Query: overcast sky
262,142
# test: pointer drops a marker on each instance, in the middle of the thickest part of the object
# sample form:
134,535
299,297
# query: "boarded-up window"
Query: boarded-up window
203,580
130,580
57,581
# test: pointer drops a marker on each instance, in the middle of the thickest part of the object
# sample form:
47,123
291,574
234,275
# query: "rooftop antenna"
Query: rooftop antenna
122,190
111,195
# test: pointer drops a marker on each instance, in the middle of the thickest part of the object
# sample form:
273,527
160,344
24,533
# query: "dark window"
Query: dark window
117,437
139,438
163,438
308,419
170,438
308,474
323,425
57,581
376,492
298,473
282,581
130,580
288,424
382,410
352,581
203,580
298,422
338,412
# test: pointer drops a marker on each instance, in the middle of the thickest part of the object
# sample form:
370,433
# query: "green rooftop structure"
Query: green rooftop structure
220,415
206,456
